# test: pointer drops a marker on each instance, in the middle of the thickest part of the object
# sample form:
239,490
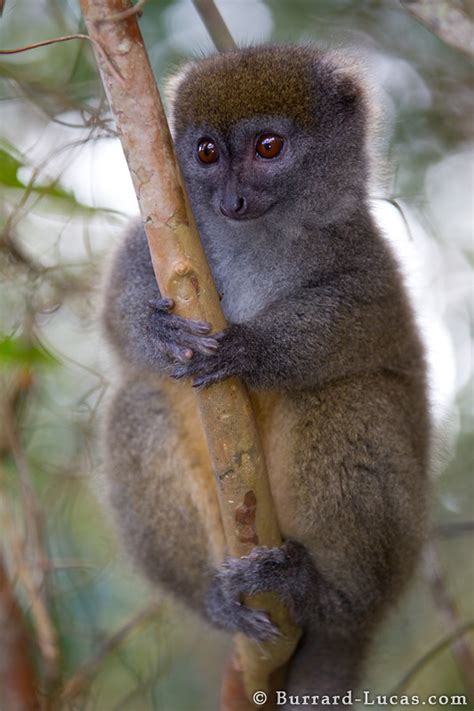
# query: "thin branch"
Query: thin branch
86,673
9,244
449,612
215,25
129,12
456,528
135,697
44,43
66,38
42,96
430,655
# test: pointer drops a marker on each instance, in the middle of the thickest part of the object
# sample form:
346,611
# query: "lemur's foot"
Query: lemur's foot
226,609
287,571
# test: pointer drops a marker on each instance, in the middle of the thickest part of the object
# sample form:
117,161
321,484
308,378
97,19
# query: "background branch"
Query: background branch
30,569
17,674
82,678
215,25
455,528
447,19
449,612
428,657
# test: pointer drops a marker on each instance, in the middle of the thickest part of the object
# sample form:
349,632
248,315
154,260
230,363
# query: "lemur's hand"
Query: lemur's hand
287,571
228,358
179,339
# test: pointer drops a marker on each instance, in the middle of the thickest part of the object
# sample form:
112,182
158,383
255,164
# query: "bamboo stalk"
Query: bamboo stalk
247,509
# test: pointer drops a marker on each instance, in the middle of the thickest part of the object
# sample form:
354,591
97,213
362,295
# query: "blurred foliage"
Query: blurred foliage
65,196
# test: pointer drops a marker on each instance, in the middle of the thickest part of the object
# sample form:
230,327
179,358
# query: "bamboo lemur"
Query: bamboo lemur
274,146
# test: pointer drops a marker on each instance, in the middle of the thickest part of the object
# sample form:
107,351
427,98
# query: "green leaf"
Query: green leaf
10,163
9,167
19,351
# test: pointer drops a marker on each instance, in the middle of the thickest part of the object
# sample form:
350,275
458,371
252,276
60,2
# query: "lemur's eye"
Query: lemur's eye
207,151
269,145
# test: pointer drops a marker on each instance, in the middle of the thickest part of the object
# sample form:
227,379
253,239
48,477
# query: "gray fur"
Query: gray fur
320,322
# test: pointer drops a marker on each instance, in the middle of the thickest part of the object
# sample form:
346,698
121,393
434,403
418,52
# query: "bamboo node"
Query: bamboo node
183,269
124,46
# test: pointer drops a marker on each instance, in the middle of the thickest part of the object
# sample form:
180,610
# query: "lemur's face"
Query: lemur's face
263,133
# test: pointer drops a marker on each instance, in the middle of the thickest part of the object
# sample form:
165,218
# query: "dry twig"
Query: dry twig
44,43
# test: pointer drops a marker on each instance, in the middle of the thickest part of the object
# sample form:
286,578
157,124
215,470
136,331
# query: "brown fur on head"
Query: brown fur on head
268,80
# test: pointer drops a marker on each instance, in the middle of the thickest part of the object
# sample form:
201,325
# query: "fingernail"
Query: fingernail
203,326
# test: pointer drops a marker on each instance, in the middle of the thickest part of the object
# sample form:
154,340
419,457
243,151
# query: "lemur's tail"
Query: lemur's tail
325,665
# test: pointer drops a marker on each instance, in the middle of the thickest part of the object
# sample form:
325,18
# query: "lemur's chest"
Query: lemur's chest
242,299
247,282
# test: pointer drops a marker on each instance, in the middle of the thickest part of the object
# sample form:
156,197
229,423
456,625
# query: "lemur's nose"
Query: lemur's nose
233,206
